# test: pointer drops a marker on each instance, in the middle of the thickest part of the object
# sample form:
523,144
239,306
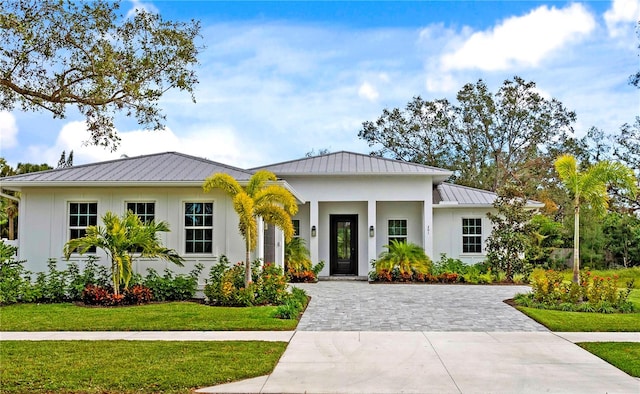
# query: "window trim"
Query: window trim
127,202
474,235
92,250
405,236
183,224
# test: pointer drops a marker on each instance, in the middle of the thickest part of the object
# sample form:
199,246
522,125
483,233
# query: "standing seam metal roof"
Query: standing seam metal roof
349,163
463,195
160,167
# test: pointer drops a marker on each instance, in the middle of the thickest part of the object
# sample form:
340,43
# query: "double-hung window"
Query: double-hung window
472,235
81,216
397,230
296,228
146,211
198,227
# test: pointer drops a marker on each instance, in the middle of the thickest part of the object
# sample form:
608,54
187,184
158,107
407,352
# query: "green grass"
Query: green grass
173,316
131,366
622,355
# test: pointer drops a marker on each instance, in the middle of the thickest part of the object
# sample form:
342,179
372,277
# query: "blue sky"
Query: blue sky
278,79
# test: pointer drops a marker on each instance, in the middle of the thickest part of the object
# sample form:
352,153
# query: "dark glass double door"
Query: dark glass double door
344,245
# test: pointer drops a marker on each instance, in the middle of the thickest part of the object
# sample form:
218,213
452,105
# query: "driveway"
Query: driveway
360,306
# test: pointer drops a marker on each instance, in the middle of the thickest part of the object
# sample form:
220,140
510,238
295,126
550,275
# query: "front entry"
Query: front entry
344,245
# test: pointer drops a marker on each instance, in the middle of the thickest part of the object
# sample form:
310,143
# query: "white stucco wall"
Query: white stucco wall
447,225
44,218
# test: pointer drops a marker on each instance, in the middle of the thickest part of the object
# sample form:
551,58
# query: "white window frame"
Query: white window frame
472,235
70,228
126,208
185,228
397,236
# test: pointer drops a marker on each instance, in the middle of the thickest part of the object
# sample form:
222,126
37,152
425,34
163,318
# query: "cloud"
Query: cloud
138,6
522,41
622,16
215,143
8,130
368,91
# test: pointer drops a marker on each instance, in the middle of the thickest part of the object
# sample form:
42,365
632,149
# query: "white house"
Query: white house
350,206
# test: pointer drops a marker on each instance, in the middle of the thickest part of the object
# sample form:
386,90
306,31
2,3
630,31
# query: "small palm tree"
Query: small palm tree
589,187
121,238
408,257
296,255
260,198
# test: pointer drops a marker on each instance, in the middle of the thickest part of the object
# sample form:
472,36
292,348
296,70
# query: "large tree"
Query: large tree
488,138
123,239
57,54
589,187
260,198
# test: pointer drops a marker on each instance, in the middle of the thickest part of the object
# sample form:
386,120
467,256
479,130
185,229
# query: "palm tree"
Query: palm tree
122,238
590,187
259,198
408,257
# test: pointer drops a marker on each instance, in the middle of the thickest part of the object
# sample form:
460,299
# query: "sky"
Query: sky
280,79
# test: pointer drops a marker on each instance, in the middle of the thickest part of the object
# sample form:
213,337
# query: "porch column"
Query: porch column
260,240
313,222
427,228
371,221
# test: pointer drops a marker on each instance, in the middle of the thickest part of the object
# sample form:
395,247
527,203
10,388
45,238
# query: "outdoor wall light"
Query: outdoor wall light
313,231
372,231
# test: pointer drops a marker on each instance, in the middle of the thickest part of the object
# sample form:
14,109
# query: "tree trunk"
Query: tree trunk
576,244
247,264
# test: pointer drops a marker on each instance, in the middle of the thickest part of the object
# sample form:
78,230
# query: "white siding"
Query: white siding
447,224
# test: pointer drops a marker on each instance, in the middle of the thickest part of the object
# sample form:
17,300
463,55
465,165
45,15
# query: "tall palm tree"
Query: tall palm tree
590,187
122,238
259,198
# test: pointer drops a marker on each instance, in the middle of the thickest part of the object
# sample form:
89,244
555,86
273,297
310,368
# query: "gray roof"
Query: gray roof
169,167
349,163
448,194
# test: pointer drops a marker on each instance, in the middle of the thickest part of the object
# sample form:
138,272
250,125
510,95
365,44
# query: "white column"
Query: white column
313,241
372,220
260,240
427,228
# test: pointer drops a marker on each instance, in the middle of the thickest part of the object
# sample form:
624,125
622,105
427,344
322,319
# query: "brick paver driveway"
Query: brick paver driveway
360,306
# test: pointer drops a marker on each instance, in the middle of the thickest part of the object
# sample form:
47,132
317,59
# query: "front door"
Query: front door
344,245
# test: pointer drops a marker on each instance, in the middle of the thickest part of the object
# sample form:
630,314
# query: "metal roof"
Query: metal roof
168,167
448,194
349,163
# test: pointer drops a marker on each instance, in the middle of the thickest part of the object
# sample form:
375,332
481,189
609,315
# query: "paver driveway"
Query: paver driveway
360,306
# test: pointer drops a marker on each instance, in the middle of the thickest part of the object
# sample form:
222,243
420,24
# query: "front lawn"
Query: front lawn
583,321
172,316
131,366
622,355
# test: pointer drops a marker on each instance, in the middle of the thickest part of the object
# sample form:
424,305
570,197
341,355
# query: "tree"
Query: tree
511,233
634,79
589,187
491,139
57,54
622,237
122,239
260,198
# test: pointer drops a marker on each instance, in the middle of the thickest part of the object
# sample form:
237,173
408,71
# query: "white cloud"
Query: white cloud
622,16
137,6
522,41
215,143
442,82
8,130
368,91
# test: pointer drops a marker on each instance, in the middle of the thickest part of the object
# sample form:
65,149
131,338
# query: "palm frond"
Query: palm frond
258,181
222,181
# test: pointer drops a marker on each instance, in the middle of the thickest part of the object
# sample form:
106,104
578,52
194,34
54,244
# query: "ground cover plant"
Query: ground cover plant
168,316
131,366
622,355
297,262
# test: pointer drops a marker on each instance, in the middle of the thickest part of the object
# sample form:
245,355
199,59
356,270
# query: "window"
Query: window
198,227
296,228
397,230
471,235
146,211
81,216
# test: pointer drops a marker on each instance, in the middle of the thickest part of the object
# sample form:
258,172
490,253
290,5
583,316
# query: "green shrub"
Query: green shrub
51,287
15,280
448,264
407,258
170,287
293,305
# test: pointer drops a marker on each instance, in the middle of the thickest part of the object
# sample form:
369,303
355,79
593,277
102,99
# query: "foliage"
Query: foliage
293,306
128,367
165,316
622,238
622,355
510,234
261,198
298,264
407,257
545,236
591,294
589,187
15,281
121,238
57,54
171,287
448,264
490,139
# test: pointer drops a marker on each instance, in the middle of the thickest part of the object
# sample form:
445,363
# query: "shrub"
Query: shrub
448,264
137,295
51,287
407,257
294,304
170,287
